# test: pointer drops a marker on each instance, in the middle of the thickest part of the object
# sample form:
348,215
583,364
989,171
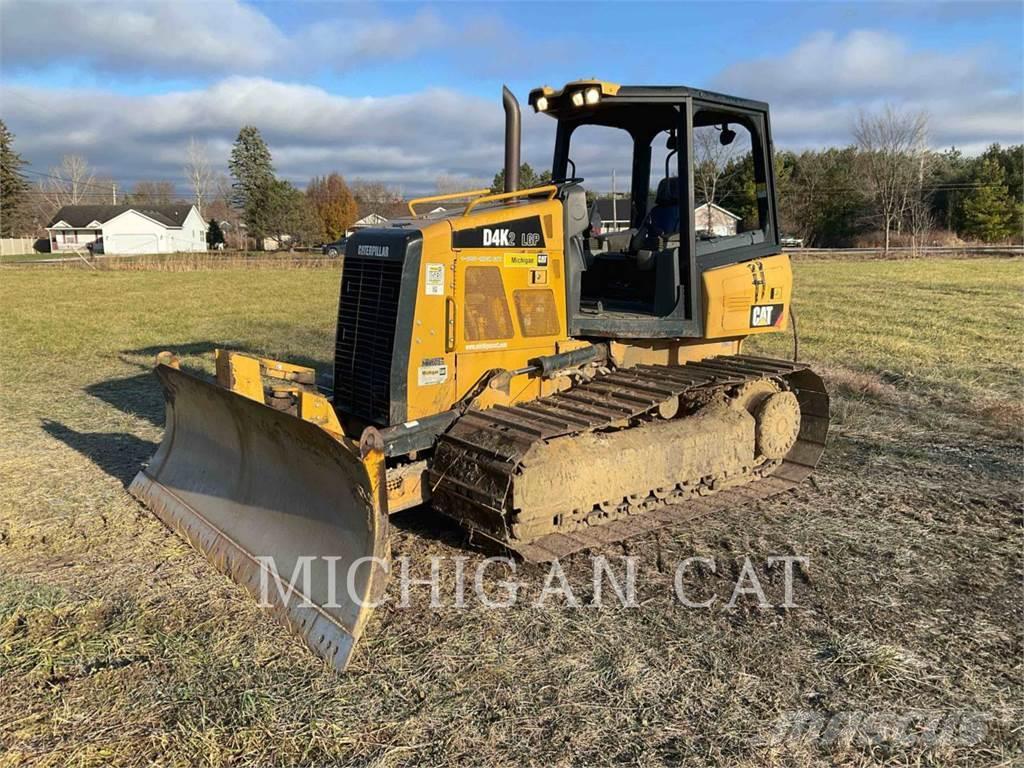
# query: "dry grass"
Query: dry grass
119,645
182,262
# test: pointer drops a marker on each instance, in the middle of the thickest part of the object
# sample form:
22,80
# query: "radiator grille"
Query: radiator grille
486,312
367,313
538,315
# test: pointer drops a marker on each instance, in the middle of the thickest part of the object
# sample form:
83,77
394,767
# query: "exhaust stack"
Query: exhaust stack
513,132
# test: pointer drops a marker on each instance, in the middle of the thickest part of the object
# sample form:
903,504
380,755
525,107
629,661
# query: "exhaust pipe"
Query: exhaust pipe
513,132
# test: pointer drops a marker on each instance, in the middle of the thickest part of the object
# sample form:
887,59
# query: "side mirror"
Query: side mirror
672,143
727,136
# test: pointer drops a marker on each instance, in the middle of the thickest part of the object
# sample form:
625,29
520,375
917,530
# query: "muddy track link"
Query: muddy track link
478,459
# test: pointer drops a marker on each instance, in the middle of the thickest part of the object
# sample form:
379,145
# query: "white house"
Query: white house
715,220
371,220
127,229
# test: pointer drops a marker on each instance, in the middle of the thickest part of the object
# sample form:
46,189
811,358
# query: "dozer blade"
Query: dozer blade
274,502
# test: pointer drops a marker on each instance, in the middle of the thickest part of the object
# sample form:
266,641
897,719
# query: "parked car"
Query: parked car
337,248
788,241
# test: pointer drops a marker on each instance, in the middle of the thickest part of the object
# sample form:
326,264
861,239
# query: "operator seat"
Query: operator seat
662,220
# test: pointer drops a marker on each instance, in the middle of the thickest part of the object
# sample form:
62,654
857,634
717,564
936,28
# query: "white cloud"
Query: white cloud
151,36
209,39
817,88
413,138
860,65
407,139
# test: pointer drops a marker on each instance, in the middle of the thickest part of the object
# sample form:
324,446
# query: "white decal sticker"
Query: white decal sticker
432,374
488,345
435,280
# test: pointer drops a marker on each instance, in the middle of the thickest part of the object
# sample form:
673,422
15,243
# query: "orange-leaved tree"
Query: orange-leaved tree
333,203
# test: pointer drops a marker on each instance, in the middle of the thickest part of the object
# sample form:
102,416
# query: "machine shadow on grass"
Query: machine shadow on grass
424,522
139,394
121,455
118,454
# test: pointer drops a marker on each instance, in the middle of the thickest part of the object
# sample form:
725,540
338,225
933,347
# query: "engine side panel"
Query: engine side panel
748,298
490,294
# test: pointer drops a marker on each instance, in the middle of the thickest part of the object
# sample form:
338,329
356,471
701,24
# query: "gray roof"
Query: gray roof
621,208
83,215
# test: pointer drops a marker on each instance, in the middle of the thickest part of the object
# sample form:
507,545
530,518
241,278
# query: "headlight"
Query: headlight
577,99
592,96
541,103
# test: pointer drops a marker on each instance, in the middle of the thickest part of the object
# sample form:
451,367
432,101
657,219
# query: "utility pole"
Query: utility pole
113,193
615,208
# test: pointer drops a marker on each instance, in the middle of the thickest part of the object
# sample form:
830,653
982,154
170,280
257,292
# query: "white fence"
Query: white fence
16,246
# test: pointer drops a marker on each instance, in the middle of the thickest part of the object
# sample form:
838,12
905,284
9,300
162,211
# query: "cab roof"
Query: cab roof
559,102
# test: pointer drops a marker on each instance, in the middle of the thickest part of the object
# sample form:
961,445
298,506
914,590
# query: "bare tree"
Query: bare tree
446,184
376,197
920,219
198,172
893,148
152,193
220,207
70,182
711,157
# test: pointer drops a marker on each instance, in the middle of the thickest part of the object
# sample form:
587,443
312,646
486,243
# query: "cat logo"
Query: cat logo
501,238
765,315
381,251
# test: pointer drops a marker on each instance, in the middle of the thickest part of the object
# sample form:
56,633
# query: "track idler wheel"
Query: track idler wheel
777,420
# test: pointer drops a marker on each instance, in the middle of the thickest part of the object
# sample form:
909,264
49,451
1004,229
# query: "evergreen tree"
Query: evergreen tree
737,191
989,213
333,204
527,178
1011,160
253,174
820,196
214,234
289,215
946,175
12,183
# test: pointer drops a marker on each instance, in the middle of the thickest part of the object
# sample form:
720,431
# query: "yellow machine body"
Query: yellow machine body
477,348
500,309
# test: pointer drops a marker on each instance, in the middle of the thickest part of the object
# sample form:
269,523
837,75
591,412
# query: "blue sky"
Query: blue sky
406,92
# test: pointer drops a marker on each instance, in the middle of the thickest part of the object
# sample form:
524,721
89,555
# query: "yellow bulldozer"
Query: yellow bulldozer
551,383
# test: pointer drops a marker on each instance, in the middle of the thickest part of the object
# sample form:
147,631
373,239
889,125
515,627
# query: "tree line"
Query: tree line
885,189
243,209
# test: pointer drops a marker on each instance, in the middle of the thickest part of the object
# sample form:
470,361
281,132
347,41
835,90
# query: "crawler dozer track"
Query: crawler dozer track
625,453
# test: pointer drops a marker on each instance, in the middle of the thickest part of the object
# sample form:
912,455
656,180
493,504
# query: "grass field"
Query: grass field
120,645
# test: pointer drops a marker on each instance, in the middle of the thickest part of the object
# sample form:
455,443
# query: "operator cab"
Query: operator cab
700,195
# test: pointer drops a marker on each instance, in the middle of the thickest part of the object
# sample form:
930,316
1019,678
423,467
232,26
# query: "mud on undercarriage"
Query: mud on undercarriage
575,470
